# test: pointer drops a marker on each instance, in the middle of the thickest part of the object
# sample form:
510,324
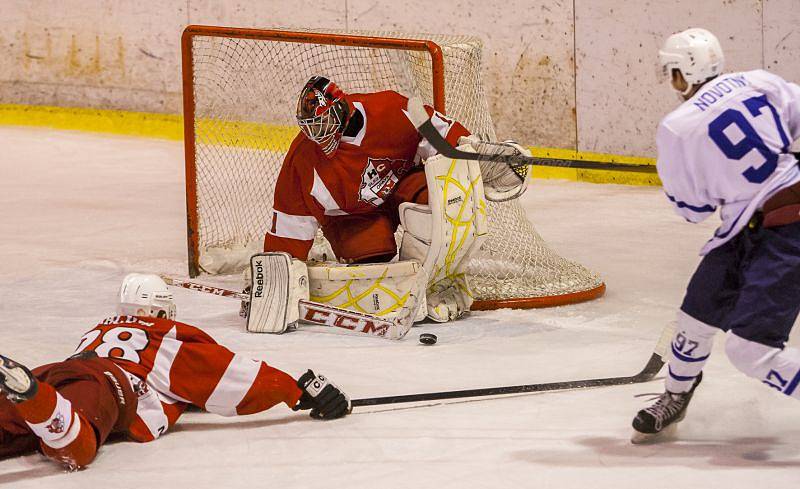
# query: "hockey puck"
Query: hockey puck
427,339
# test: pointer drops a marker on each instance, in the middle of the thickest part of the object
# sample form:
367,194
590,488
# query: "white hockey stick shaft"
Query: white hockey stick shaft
319,314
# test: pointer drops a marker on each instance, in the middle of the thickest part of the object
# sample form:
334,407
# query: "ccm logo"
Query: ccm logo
351,323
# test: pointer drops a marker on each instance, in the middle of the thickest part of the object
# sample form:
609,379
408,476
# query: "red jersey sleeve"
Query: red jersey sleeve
295,217
223,382
176,364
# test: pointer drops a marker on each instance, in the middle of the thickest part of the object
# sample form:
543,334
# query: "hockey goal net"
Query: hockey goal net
240,88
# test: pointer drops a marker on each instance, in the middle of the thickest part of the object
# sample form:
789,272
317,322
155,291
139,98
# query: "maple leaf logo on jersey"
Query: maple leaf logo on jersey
379,179
57,424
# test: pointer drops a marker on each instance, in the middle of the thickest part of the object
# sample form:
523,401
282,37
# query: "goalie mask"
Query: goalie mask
143,294
322,113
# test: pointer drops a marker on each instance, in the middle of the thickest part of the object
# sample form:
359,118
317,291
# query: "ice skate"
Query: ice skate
16,381
659,420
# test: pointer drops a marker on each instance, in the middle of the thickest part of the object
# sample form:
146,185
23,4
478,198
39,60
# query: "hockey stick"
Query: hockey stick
318,314
649,371
420,118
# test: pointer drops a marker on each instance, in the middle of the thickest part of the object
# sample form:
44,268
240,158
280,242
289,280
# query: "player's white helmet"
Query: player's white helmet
143,294
695,52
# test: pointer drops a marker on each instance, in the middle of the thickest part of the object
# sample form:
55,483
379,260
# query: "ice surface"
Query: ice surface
79,211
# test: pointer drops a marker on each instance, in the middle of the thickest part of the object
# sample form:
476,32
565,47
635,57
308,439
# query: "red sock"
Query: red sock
65,435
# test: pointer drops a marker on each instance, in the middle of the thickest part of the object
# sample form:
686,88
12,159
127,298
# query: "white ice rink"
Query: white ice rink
79,211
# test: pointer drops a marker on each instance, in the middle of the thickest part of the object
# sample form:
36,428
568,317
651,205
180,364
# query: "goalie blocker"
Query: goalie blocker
279,283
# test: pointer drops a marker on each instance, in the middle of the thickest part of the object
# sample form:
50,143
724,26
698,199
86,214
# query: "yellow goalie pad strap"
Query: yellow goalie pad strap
383,289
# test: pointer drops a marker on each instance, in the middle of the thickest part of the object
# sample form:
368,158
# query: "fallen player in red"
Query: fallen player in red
135,374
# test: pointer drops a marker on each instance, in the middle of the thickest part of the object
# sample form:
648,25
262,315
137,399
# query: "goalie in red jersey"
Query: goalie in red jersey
357,170
135,374
357,158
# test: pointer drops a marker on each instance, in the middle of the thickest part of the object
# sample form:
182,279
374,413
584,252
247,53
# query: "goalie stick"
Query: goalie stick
419,117
319,314
647,373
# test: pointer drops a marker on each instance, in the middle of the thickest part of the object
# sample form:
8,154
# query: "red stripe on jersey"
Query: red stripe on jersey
196,371
295,247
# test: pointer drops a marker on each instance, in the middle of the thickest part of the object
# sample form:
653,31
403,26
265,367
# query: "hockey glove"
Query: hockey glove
322,397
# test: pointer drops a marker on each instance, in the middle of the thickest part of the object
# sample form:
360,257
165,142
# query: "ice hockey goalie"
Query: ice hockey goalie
357,159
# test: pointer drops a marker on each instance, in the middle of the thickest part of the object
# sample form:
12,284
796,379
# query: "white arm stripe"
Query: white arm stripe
321,193
441,125
151,412
356,140
149,409
425,149
233,386
295,227
162,365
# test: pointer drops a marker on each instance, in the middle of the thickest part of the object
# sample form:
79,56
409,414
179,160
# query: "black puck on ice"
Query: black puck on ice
427,338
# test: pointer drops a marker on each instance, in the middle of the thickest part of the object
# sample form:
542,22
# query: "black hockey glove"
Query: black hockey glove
322,397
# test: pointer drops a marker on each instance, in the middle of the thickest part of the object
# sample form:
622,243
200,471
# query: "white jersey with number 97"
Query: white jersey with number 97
728,147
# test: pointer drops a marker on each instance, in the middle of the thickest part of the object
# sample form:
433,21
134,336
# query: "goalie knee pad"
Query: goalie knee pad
416,221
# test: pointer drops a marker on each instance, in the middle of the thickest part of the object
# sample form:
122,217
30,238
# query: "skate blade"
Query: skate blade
639,438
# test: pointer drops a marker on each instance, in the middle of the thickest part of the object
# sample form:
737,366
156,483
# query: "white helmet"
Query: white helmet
143,294
695,52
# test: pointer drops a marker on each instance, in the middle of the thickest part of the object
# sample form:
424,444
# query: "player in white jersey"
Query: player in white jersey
726,147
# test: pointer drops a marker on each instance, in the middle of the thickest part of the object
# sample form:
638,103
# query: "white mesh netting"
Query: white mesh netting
245,94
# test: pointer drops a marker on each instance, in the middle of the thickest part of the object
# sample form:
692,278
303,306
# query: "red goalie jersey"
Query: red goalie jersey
171,365
354,193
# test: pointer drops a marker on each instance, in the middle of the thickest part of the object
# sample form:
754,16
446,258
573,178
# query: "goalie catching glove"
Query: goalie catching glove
501,182
322,397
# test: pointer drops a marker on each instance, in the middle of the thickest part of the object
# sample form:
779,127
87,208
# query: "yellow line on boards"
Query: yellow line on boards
256,135
163,126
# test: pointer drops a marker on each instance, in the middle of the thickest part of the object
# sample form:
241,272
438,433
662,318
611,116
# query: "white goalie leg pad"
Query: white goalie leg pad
445,233
279,283
383,289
